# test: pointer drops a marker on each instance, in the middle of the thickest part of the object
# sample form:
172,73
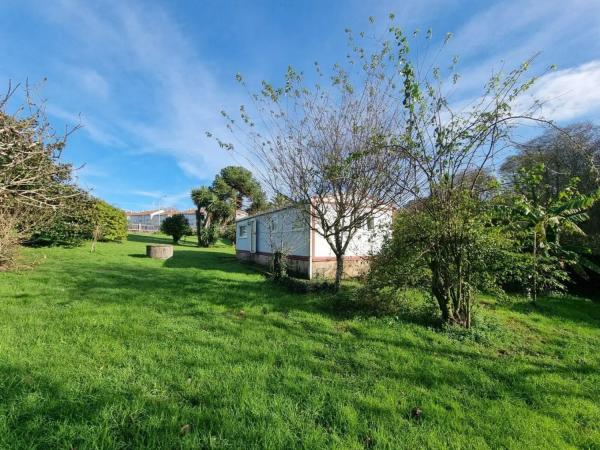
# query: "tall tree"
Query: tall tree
451,150
216,205
327,146
211,212
34,182
238,184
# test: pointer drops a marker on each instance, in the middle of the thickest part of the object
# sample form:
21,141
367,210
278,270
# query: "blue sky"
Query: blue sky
148,78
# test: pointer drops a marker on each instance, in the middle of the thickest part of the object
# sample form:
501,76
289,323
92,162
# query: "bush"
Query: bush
9,241
208,236
454,255
79,220
110,222
176,226
69,226
228,232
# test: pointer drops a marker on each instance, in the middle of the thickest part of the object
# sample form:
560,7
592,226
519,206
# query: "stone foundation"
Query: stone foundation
296,265
321,268
353,267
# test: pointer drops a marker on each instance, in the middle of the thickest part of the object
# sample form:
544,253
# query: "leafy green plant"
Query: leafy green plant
69,226
450,247
216,204
82,218
175,226
208,236
545,221
111,222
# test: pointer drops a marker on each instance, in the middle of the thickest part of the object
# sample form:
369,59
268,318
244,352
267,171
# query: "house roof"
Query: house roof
262,213
293,205
167,211
148,212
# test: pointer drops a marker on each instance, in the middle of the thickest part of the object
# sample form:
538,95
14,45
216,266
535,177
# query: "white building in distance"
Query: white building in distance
149,221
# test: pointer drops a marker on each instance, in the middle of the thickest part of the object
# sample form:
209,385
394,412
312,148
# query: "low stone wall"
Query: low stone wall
353,267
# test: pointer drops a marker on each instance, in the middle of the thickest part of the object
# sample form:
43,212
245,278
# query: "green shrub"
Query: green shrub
176,226
69,226
110,222
78,221
208,236
454,256
228,232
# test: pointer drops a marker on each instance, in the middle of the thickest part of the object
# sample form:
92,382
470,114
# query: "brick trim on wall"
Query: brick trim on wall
296,257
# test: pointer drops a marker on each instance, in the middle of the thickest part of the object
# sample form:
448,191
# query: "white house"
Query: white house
151,220
291,231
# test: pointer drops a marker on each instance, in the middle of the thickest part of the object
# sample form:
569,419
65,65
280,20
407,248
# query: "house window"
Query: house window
370,223
243,231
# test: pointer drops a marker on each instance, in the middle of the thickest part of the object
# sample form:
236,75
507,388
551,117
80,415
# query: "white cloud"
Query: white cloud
507,33
91,81
570,93
172,97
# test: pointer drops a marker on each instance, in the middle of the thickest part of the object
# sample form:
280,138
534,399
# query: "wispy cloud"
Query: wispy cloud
91,128
163,199
91,81
505,34
570,93
171,99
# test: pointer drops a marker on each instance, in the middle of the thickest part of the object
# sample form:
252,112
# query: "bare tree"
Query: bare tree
34,183
330,147
452,148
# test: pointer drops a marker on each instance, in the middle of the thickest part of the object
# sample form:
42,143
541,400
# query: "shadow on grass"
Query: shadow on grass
570,308
188,241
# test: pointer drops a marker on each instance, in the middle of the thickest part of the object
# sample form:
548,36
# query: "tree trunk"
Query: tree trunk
535,268
439,292
339,271
278,269
198,226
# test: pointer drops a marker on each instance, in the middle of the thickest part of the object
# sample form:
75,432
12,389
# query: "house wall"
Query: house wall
284,230
309,253
364,243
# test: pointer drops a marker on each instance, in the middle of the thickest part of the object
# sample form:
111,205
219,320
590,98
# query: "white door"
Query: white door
253,236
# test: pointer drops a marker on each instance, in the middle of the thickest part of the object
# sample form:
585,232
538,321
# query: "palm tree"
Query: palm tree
210,213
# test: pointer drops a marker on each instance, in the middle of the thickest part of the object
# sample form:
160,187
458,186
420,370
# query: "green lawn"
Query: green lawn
114,350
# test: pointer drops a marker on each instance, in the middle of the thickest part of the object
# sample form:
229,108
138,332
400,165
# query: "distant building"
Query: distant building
293,232
149,221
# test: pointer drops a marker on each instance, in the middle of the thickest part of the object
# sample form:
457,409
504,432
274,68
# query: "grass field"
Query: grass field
114,350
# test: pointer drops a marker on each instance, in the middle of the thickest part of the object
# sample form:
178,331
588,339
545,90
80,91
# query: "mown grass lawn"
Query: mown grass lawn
114,350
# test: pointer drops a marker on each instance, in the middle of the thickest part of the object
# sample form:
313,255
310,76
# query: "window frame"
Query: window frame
370,223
